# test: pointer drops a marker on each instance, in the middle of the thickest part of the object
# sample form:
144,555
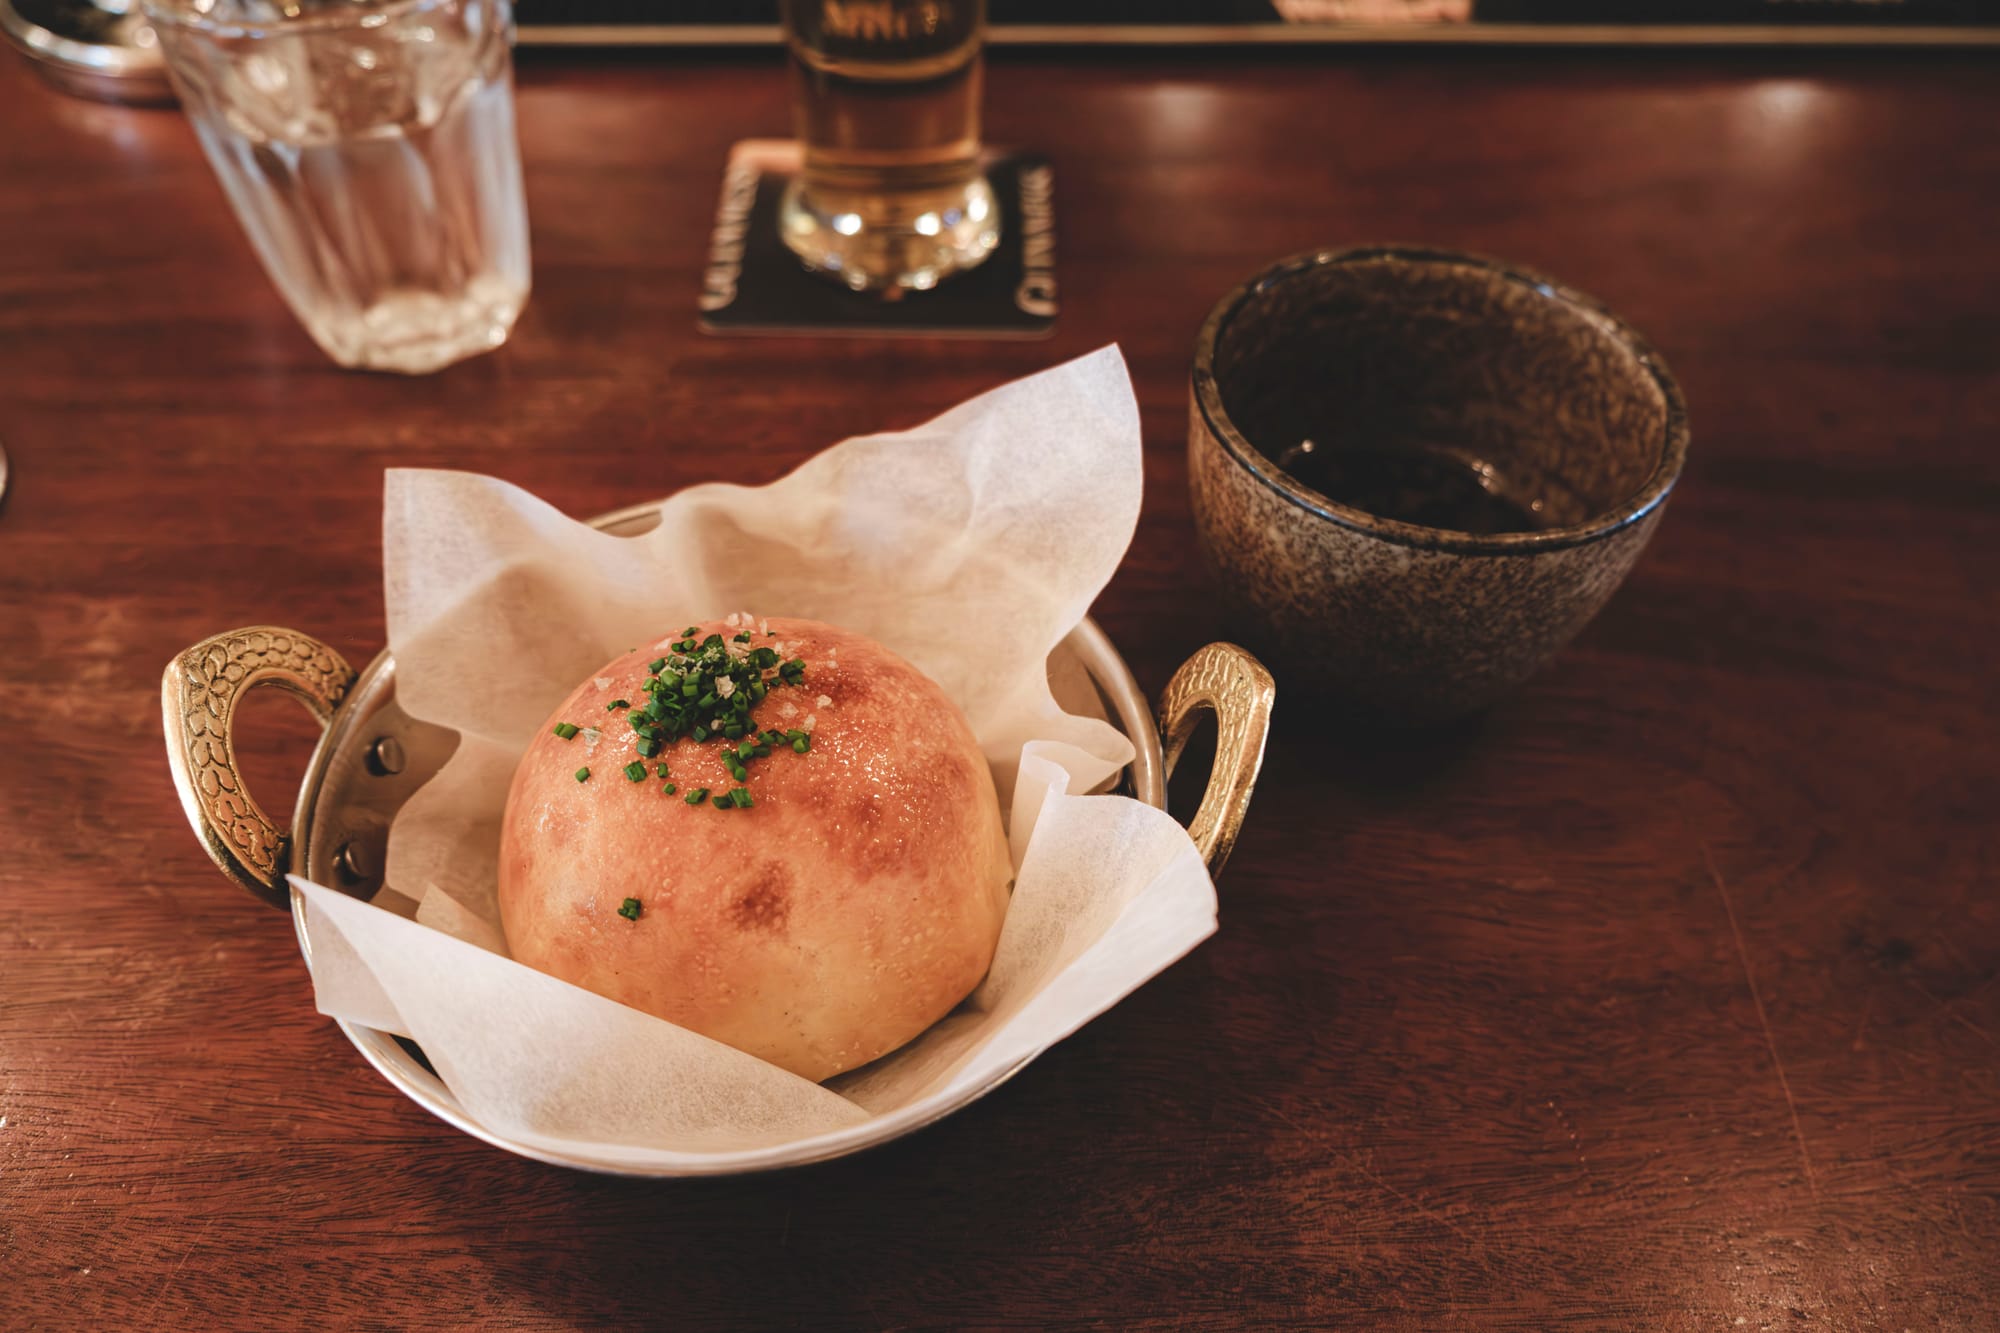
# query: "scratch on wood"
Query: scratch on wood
1763,1020
1949,1008
1415,1207
167,1286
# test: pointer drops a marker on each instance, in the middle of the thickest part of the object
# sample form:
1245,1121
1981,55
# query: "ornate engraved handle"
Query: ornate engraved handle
198,698
1236,686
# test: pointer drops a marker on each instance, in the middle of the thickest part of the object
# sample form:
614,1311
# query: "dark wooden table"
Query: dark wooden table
1663,997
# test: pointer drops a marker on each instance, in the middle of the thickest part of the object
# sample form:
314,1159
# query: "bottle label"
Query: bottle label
878,29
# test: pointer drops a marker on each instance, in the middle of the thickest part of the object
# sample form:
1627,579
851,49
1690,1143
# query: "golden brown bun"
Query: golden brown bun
850,908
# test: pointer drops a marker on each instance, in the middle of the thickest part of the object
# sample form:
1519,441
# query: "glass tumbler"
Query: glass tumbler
886,99
368,149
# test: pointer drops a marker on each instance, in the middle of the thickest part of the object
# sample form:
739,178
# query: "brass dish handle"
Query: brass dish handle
1235,686
198,698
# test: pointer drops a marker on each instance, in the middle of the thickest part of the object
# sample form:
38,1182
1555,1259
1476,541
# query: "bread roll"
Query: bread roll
849,907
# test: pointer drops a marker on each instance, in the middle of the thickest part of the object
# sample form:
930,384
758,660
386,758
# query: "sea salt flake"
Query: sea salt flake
601,682
824,701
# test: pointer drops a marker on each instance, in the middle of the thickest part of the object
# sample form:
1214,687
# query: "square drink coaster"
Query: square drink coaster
754,285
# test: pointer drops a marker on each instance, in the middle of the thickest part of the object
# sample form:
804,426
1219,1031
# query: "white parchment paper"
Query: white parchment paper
970,546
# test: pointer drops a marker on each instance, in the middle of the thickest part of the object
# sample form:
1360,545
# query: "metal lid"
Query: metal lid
105,51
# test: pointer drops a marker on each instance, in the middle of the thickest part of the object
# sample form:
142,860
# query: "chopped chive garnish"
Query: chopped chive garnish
630,909
706,689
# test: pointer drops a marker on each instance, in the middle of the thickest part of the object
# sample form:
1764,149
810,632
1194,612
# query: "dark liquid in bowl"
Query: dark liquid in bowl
1432,487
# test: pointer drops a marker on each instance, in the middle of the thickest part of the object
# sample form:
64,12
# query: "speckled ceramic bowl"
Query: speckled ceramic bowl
1522,379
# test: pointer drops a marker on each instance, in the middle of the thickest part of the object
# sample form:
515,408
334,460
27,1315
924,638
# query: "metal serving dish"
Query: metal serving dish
373,756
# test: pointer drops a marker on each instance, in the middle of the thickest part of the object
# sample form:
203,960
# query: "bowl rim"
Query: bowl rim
1216,420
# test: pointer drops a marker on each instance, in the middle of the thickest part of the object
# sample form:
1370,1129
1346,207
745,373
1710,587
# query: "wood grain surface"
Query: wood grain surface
1662,997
